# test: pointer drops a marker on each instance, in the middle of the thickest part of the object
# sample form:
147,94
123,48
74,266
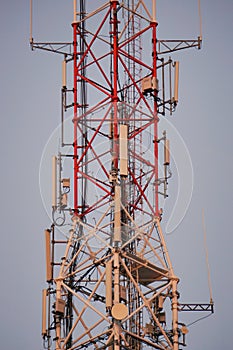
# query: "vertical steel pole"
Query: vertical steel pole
116,299
115,157
154,80
57,318
115,80
75,119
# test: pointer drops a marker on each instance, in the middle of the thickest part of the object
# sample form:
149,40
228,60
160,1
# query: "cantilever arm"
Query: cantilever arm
197,307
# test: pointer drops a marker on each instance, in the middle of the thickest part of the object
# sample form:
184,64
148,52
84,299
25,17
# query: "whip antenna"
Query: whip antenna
207,258
200,18
31,39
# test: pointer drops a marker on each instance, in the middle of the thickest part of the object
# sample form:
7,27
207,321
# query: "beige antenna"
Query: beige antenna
207,257
117,211
123,140
166,152
176,81
64,73
44,308
48,256
54,182
108,285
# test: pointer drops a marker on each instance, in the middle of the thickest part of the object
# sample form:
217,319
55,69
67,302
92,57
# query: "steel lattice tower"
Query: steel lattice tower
111,284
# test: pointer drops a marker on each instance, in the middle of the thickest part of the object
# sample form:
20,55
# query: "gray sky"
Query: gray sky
30,102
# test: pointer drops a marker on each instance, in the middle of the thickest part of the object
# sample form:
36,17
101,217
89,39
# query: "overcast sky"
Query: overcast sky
30,102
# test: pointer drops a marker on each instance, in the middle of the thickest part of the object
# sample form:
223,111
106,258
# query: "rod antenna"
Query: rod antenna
200,18
31,39
207,257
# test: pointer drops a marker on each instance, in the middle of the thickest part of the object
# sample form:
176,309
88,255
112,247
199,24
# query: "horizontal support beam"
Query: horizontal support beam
60,48
168,46
197,307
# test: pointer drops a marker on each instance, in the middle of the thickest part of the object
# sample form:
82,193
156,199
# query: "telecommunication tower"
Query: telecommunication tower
111,283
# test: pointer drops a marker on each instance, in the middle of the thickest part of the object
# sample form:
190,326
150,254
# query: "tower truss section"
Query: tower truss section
111,283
